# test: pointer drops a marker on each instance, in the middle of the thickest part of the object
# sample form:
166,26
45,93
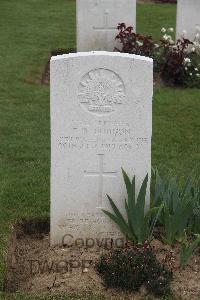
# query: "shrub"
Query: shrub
130,268
135,43
172,60
178,206
191,76
187,249
194,221
140,225
177,63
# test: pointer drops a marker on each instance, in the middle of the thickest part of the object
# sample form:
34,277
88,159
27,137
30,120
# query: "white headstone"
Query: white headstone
101,120
188,18
97,22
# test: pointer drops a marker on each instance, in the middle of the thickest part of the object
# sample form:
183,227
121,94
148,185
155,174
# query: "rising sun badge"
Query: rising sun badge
101,91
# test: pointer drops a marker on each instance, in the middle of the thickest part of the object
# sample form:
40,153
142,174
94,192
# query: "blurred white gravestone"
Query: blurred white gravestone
97,22
188,18
101,120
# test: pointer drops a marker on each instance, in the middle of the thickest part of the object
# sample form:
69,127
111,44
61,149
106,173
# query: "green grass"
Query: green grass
29,30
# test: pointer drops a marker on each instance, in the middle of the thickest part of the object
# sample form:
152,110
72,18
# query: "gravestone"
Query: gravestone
188,18
101,120
97,22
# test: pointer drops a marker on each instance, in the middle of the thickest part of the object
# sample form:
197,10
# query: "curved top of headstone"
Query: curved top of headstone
102,53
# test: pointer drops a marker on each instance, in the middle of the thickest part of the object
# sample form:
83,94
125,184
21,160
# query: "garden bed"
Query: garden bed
32,266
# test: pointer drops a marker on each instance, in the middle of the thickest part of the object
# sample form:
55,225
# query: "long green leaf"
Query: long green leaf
116,210
139,226
140,209
140,205
153,213
130,209
122,226
159,189
181,216
187,187
130,188
168,225
187,251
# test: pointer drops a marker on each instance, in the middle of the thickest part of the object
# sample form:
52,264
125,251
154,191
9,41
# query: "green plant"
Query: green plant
135,43
159,280
177,206
130,268
177,62
191,66
172,58
140,225
187,250
194,221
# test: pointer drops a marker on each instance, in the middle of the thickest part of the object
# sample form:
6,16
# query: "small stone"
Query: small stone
85,270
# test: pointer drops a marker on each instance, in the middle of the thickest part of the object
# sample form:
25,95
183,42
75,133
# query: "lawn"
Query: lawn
29,30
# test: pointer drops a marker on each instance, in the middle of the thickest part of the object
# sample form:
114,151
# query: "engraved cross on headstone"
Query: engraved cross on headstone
105,26
101,174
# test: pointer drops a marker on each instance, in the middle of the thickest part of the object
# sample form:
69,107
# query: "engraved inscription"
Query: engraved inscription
102,135
73,220
101,91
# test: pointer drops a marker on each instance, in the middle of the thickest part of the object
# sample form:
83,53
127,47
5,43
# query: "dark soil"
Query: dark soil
33,266
46,74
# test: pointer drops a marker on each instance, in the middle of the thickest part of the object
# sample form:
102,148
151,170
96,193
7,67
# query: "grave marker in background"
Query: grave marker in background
97,21
101,120
188,18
